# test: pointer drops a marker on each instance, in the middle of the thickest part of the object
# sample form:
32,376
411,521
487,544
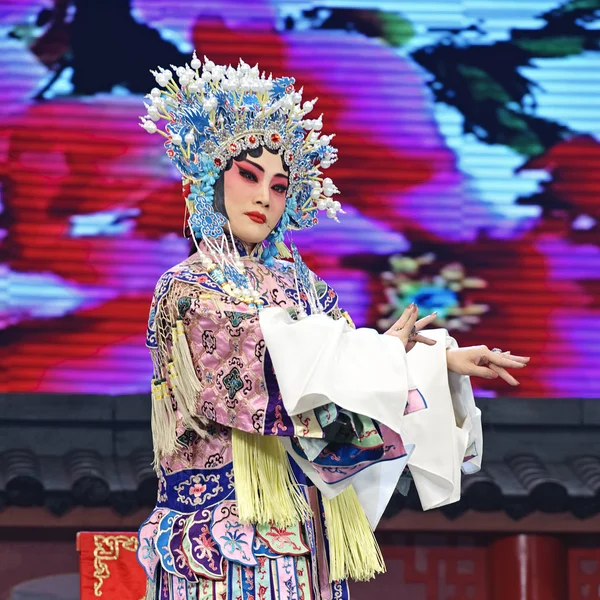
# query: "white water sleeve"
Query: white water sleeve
445,432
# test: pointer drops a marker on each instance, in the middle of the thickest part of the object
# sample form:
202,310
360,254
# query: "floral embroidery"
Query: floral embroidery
181,563
185,495
306,423
283,540
162,488
208,410
234,538
257,420
259,350
162,539
262,590
236,318
338,590
147,549
249,578
291,588
278,424
281,537
248,385
230,476
209,341
188,437
302,572
233,382
214,460
197,490
165,584
183,305
200,548
328,453
206,547
368,433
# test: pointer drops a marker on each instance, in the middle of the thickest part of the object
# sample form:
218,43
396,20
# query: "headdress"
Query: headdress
215,113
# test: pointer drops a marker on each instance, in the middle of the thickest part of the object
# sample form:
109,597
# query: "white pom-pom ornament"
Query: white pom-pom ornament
150,126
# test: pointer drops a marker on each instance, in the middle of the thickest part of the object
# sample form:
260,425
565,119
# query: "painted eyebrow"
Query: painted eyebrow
262,170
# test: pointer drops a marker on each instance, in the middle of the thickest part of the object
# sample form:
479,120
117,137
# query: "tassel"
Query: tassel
180,398
265,486
188,380
184,381
178,392
164,436
150,590
353,550
283,250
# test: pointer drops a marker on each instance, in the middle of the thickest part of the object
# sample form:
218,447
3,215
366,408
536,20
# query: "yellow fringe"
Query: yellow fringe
164,421
184,381
187,381
188,419
265,486
283,250
353,550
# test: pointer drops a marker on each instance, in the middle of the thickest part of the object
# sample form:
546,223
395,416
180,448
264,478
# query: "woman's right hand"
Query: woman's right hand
406,328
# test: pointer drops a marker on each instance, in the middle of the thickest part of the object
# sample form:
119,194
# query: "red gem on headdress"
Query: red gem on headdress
233,147
252,139
275,137
218,162
290,157
296,176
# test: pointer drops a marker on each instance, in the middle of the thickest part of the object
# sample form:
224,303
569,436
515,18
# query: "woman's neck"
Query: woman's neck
244,248
250,248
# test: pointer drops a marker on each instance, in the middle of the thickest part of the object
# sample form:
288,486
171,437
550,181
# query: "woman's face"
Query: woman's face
255,190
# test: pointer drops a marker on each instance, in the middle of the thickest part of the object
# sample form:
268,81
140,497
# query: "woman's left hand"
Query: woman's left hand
480,361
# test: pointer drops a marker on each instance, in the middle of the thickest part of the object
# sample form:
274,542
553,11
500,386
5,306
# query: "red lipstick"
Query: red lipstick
257,217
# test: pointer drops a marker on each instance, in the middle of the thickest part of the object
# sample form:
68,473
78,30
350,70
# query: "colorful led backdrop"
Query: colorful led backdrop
469,167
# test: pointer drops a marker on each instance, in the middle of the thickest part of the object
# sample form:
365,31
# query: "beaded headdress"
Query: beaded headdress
215,113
